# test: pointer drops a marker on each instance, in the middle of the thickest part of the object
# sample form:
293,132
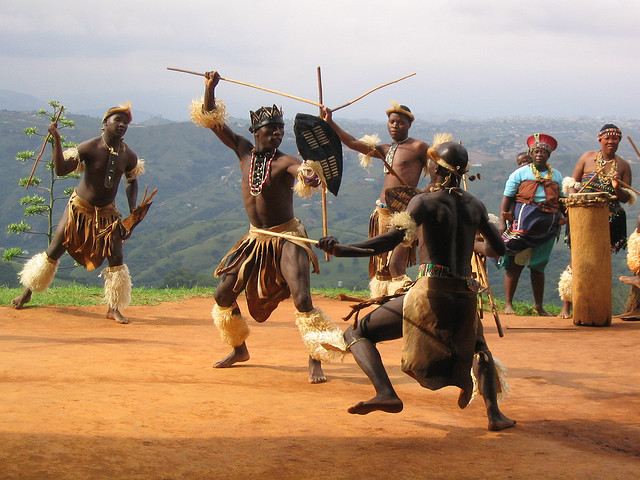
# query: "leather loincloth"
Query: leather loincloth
256,259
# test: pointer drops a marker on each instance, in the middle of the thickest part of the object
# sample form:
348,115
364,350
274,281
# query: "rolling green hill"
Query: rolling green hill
197,214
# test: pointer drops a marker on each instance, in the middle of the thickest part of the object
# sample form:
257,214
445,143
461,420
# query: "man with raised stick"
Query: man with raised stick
437,318
407,159
268,267
91,229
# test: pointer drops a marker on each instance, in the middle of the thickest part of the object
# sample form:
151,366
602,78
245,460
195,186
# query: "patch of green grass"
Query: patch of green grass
80,295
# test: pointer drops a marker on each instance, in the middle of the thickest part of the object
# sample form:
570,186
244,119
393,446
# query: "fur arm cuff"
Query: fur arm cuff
632,196
214,119
404,221
138,170
569,182
73,154
371,141
308,180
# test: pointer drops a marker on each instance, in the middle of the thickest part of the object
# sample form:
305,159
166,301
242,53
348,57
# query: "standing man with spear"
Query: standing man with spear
91,228
405,160
268,263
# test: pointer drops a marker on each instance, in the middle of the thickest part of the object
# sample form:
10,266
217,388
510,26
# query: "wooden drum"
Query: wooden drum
590,258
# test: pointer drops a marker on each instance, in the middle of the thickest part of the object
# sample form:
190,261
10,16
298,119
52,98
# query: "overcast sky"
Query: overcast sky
471,57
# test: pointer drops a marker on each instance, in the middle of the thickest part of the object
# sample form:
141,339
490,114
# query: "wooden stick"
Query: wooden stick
371,91
633,145
319,105
325,224
625,185
44,145
592,178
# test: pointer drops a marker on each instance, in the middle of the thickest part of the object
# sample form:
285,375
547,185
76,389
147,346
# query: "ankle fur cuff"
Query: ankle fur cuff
502,387
233,328
378,288
117,286
322,338
565,285
633,252
37,274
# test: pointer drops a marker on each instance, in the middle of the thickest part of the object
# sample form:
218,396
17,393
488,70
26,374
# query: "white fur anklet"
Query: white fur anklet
565,285
37,274
322,338
502,387
233,328
378,288
117,286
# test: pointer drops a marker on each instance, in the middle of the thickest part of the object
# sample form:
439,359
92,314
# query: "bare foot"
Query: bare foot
508,309
498,421
116,315
239,354
542,312
635,281
389,405
316,375
21,299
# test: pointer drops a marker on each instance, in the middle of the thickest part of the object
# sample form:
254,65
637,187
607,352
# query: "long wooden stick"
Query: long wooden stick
325,223
626,185
633,145
44,145
371,91
319,105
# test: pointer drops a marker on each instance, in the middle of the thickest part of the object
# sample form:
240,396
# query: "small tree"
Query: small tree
42,202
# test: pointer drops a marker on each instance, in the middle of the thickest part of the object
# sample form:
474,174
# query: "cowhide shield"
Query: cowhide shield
320,145
397,198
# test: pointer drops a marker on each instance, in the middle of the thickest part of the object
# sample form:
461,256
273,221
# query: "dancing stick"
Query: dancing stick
306,240
44,145
319,105
626,185
633,145
592,178
371,91
325,224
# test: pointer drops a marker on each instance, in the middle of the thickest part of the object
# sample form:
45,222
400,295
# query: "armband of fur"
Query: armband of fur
404,221
569,182
371,141
213,119
139,169
73,154
632,196
308,181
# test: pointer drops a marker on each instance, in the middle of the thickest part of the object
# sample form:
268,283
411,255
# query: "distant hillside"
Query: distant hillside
198,215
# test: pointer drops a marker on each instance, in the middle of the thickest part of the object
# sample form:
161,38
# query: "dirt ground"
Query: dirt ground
82,397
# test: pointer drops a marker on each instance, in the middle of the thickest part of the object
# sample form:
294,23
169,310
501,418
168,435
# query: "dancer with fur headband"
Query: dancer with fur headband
91,229
268,267
408,159
443,339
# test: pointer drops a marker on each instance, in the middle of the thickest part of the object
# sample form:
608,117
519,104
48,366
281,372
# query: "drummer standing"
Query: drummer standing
599,171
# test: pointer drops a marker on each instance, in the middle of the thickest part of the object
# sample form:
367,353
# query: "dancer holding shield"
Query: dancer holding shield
268,268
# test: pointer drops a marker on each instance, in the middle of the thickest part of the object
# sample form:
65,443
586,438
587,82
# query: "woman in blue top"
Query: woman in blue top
531,220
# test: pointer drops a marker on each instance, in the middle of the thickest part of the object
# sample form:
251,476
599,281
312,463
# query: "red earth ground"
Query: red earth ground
82,397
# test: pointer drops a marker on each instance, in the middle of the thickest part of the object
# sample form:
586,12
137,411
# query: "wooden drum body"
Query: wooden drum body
590,258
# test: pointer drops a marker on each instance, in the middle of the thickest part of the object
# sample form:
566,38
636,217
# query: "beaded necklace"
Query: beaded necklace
540,178
392,153
601,162
259,170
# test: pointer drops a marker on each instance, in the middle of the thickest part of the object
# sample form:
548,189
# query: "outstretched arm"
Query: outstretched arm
349,140
61,166
384,242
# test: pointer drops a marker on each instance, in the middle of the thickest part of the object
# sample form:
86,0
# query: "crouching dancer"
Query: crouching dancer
437,318
268,267
90,229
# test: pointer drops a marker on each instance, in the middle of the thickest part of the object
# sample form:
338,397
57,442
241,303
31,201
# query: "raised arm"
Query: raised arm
61,165
235,142
349,140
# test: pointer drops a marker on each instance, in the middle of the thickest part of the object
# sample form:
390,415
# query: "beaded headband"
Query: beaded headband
609,130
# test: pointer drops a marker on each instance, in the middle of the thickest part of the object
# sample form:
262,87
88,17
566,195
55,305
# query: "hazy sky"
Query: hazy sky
471,57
